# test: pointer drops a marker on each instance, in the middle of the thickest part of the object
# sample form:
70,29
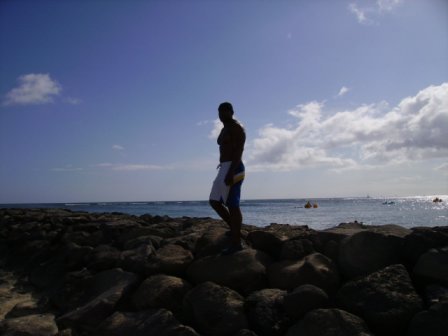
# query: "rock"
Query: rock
291,231
76,256
215,310
432,266
104,257
170,259
245,332
49,273
187,241
152,322
136,260
71,293
366,252
432,322
103,292
386,300
304,299
345,230
143,240
268,242
422,239
329,322
83,238
265,313
315,269
244,271
29,307
30,325
294,249
213,241
161,291
435,293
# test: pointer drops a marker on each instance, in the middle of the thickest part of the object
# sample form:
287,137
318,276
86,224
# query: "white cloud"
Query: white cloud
358,12
129,167
388,5
368,14
72,101
443,168
33,89
67,168
343,91
117,147
367,136
217,127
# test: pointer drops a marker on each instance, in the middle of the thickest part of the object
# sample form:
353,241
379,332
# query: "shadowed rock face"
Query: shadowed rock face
315,269
332,322
75,273
244,271
366,252
386,299
215,310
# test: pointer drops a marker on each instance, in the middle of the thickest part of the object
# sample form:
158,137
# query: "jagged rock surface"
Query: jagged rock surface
80,274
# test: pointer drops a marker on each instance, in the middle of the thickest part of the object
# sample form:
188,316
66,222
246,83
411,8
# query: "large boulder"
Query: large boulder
329,322
432,322
215,310
104,257
367,251
244,271
30,325
160,291
304,299
136,260
315,269
212,242
152,322
268,242
432,266
345,230
294,249
76,256
386,299
170,259
102,293
422,239
264,310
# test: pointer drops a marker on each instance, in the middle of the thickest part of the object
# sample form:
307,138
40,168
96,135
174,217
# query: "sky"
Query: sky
117,100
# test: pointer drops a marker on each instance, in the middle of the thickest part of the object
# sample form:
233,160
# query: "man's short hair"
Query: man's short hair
226,106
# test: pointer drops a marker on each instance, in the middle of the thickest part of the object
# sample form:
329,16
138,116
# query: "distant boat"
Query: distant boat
309,206
437,200
388,202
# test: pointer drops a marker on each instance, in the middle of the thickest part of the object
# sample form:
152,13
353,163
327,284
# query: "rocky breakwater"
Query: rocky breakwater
116,274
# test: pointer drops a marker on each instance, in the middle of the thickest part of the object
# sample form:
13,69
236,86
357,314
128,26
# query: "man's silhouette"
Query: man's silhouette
226,190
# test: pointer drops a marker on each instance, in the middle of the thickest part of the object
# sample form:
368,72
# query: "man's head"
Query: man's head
225,112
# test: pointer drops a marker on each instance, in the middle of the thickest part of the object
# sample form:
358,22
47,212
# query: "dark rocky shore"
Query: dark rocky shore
75,273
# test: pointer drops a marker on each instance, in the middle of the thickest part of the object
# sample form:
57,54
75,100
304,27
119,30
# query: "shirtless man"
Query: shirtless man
226,190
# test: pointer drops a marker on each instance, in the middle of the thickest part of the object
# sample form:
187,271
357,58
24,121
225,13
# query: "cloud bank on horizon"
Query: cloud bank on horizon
367,136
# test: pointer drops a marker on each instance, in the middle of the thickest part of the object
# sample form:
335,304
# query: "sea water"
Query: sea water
405,211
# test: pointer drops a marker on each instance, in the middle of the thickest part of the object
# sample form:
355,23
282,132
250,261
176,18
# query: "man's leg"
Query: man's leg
221,210
236,219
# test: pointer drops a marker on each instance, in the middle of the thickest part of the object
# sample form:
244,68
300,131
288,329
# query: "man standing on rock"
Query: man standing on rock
226,190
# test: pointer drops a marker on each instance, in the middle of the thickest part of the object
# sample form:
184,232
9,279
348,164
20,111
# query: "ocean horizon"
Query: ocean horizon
409,211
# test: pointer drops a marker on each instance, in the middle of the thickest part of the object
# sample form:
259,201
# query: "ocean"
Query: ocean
404,211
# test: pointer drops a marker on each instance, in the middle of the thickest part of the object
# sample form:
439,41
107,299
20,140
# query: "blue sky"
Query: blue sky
117,100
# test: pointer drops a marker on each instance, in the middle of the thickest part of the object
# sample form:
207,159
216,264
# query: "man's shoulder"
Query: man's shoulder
237,126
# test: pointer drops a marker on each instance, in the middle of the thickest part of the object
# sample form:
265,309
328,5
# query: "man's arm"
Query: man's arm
238,139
